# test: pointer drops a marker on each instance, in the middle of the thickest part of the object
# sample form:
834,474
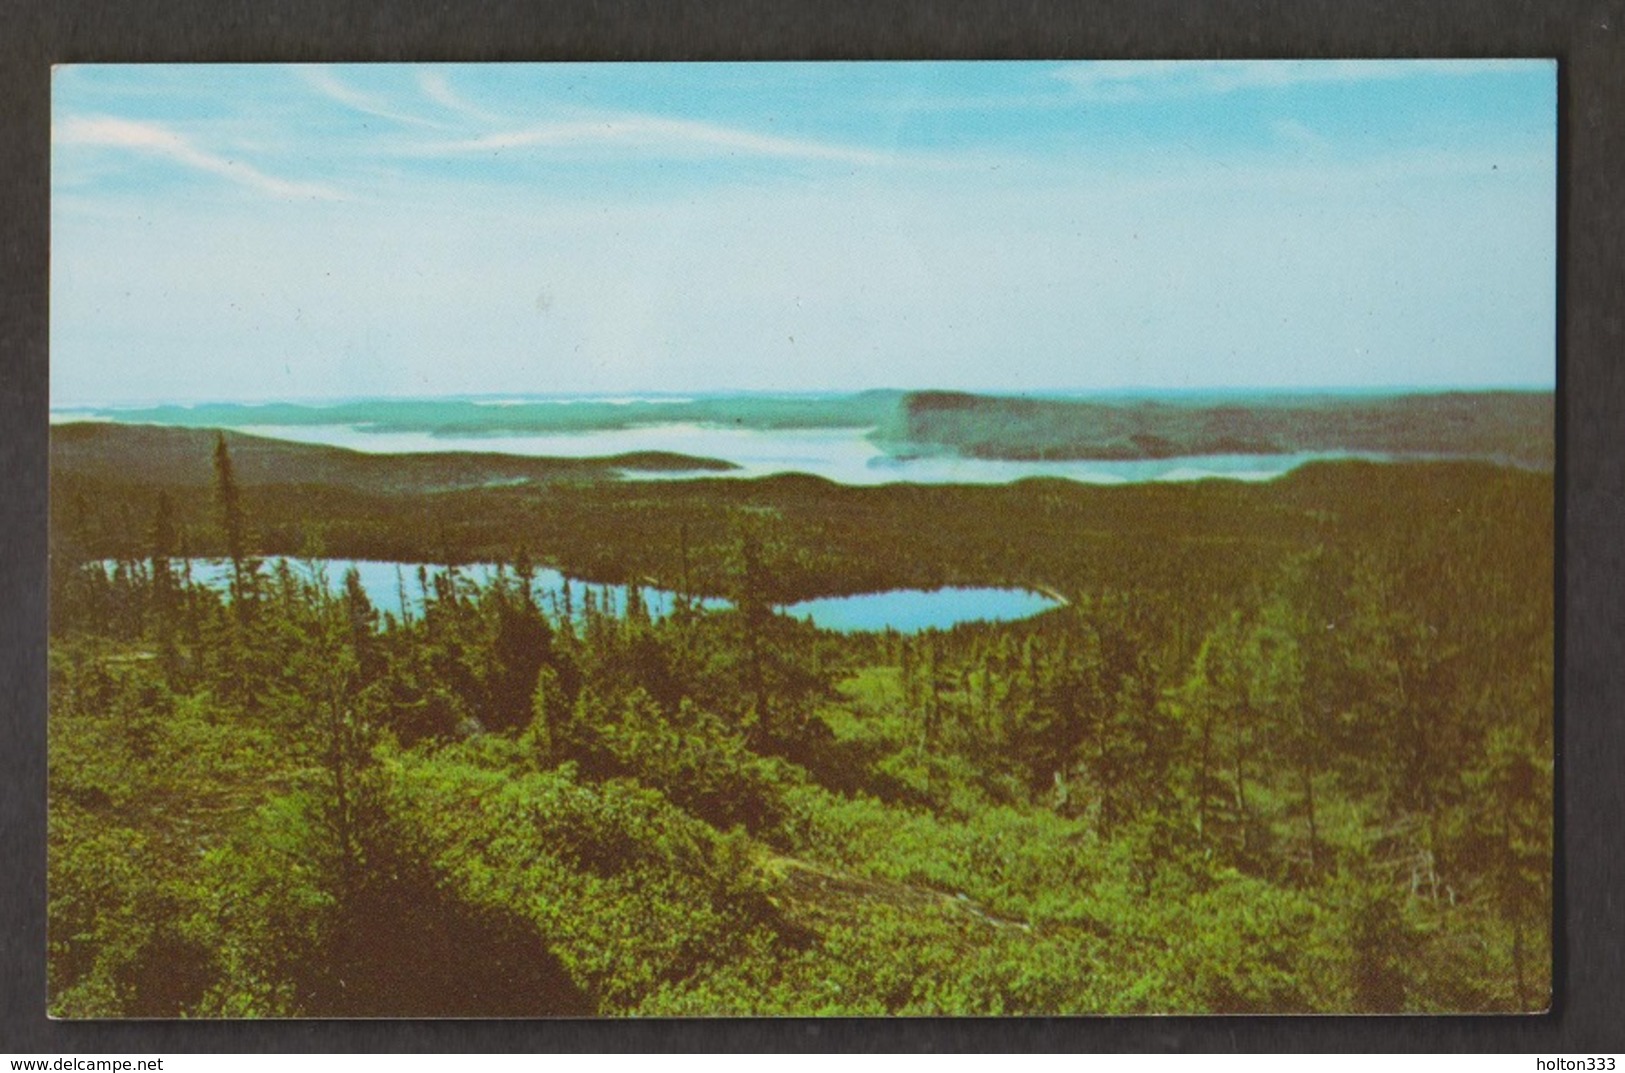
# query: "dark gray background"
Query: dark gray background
1584,35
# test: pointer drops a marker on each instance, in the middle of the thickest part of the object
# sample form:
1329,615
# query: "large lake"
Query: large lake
398,589
843,455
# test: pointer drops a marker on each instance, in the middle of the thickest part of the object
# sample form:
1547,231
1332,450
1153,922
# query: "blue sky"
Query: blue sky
254,232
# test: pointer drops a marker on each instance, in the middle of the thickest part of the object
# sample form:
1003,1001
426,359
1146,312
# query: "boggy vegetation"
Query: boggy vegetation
1308,771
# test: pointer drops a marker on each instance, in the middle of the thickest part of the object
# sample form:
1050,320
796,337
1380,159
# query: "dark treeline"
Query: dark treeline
179,458
1287,748
1204,540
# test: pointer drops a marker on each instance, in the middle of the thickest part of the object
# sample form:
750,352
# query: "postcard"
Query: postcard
785,539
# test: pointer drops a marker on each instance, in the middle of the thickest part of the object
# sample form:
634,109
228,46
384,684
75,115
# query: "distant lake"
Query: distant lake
843,455
396,588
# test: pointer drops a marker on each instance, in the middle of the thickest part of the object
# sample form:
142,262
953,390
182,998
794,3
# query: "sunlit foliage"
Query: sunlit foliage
1285,749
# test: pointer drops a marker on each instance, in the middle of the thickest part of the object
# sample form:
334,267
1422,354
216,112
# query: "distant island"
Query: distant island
1502,426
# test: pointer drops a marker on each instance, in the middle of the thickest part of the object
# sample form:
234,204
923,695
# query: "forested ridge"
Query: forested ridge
180,457
1287,748
1511,427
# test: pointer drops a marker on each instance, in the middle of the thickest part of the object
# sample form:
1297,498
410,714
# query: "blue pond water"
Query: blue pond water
397,588
913,610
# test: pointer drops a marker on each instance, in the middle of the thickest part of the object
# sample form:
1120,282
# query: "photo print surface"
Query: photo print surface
991,538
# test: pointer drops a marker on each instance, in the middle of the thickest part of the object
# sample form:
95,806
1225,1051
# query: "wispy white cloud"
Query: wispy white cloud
658,134
1132,80
153,138
436,86
1297,133
324,81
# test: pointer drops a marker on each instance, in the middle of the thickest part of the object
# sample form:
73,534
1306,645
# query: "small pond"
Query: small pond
913,610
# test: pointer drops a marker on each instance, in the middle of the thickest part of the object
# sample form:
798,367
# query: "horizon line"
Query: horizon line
632,396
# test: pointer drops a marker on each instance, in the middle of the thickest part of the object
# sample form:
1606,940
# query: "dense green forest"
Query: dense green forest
1288,747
